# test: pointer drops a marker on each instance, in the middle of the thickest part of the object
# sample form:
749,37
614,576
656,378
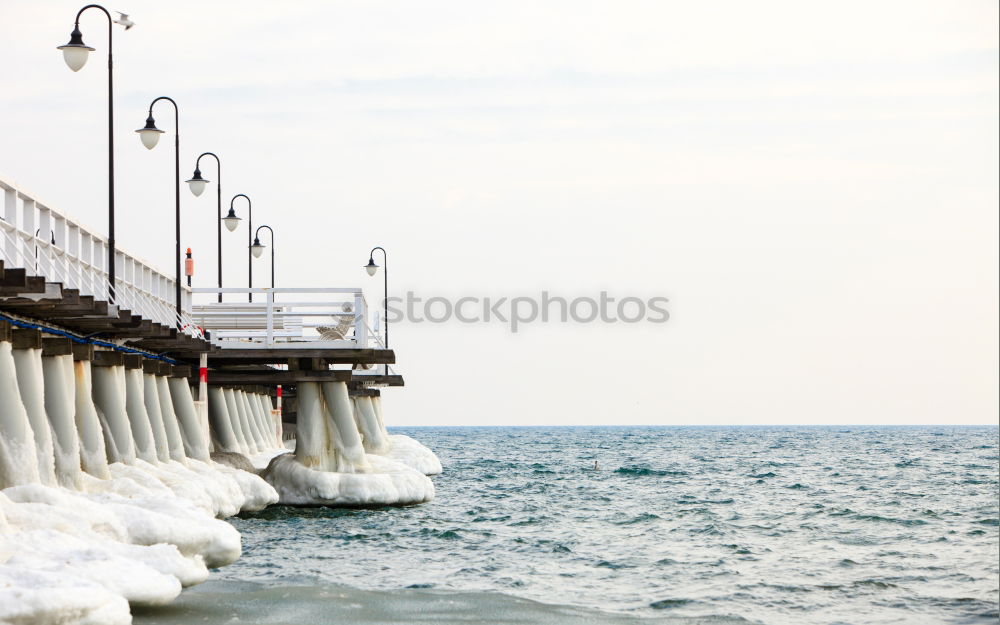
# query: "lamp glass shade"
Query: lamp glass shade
75,55
150,137
371,267
197,185
257,249
231,221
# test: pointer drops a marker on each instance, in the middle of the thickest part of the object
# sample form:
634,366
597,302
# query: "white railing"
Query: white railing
375,336
78,259
327,318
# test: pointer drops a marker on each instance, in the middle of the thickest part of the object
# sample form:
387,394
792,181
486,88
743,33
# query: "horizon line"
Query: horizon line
714,425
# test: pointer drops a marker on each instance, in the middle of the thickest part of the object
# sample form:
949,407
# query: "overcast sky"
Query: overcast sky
813,185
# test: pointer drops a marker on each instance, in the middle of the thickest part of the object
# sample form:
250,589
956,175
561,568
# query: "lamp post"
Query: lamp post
197,185
150,136
232,221
75,54
371,268
257,248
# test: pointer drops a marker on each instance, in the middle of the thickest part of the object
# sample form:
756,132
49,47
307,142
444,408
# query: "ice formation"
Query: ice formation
113,484
330,465
108,493
377,440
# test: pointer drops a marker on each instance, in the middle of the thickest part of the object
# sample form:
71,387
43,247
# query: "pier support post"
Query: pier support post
171,425
194,433
233,410
151,399
135,408
109,399
341,416
60,406
93,455
30,382
376,440
221,421
311,437
18,463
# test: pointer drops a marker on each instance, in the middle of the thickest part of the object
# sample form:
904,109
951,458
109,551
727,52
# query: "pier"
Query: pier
53,280
116,397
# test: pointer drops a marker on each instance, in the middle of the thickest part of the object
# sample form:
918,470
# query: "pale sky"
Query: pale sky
813,185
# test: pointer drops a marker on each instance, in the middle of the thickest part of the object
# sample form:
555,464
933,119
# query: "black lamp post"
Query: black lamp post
232,221
257,248
75,54
371,268
197,185
150,136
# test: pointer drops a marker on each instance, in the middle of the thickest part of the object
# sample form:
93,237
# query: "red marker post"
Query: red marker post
188,266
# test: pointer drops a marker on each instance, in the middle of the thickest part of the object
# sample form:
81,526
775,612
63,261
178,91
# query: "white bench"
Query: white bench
247,320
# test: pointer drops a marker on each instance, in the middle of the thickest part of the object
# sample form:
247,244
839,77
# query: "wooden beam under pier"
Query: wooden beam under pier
108,358
358,381
27,338
83,351
57,346
364,392
263,356
273,377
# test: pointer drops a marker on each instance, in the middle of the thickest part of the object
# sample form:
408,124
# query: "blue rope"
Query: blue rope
85,341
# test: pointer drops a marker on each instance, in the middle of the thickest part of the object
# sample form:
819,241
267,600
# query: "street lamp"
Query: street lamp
257,249
75,54
196,183
232,221
372,268
150,136
197,186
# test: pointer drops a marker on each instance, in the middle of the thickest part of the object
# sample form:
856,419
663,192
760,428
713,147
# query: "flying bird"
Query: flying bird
124,20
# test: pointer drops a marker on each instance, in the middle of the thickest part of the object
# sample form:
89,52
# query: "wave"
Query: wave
642,518
643,471
220,601
664,604
881,519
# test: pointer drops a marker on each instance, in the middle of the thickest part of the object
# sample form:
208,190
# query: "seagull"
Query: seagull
124,20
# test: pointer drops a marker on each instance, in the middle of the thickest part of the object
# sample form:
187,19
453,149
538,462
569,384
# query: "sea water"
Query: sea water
639,525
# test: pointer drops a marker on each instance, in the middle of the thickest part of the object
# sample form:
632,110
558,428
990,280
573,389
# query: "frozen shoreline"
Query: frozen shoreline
111,495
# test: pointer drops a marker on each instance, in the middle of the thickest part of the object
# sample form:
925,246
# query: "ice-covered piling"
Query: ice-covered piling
151,399
376,438
398,447
191,430
109,399
171,424
96,537
60,406
138,418
18,458
241,425
93,455
221,422
28,364
330,466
